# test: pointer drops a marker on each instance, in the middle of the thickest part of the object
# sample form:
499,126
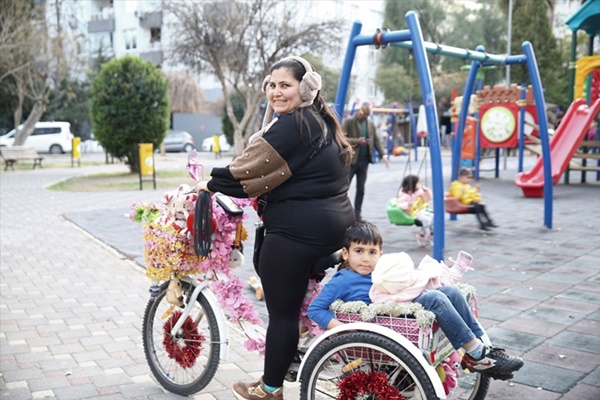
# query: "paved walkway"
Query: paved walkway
73,290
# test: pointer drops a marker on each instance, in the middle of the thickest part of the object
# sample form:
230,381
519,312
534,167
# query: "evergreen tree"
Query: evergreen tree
129,105
531,23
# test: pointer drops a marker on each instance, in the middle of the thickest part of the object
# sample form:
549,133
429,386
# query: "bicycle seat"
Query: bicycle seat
327,262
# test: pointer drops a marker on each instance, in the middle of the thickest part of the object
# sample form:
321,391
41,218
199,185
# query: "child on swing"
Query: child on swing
413,198
470,196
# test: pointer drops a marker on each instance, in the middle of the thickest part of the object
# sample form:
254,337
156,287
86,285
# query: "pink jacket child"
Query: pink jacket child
413,198
405,201
395,278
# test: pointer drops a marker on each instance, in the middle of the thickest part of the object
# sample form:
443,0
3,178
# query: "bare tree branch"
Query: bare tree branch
237,42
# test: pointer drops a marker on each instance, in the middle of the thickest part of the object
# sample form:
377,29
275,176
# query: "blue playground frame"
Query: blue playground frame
412,38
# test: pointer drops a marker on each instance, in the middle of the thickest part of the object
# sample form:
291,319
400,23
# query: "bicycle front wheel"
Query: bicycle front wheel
363,365
183,363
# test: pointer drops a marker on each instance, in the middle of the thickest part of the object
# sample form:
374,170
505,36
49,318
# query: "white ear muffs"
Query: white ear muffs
310,83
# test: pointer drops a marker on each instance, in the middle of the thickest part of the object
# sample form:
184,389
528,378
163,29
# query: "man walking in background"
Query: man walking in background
362,135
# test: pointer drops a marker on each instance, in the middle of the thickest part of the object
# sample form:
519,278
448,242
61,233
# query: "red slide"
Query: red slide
563,145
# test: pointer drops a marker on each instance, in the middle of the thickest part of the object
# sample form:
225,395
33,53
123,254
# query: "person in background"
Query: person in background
216,147
470,196
298,166
362,135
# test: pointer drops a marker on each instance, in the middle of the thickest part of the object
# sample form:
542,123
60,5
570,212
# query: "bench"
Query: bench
17,153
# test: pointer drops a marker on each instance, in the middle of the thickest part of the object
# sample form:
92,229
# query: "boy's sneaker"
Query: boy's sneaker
494,362
255,391
421,241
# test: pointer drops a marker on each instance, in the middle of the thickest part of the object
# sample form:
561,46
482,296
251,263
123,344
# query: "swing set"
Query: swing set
412,38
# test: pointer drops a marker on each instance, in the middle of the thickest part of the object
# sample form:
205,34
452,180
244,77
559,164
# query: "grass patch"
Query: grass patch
122,181
49,163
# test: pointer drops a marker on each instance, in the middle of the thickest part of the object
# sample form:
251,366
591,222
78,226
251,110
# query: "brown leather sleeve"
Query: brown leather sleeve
260,168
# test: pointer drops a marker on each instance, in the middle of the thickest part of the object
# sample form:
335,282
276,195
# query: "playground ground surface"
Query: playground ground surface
73,291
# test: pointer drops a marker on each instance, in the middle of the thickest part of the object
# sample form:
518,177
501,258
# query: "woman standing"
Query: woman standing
298,166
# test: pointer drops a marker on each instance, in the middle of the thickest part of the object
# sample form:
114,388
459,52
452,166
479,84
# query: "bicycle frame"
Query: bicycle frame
204,288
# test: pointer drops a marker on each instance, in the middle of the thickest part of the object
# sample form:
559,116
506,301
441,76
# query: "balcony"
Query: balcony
156,56
103,21
150,19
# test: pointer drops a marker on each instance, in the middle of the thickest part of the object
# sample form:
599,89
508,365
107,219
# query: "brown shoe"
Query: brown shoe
255,391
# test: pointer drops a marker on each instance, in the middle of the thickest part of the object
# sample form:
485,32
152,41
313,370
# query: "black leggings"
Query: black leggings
480,213
284,272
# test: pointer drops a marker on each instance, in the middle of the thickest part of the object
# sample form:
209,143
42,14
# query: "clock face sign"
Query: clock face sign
498,124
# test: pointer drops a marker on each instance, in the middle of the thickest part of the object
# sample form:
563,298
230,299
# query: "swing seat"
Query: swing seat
454,206
397,216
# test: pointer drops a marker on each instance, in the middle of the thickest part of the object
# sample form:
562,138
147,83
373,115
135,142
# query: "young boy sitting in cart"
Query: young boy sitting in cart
369,276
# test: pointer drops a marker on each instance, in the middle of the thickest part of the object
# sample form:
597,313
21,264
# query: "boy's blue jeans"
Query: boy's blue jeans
452,313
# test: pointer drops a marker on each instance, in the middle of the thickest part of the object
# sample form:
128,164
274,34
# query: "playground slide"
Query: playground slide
563,145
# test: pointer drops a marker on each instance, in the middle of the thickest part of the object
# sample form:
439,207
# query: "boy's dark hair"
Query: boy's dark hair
464,172
409,184
362,233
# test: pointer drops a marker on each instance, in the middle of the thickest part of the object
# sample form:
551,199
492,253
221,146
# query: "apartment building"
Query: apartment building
141,28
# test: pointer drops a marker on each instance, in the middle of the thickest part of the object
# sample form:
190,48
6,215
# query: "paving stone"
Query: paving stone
513,339
497,313
586,326
547,353
538,327
553,315
38,385
592,297
519,303
578,341
529,292
593,378
582,391
547,377
75,392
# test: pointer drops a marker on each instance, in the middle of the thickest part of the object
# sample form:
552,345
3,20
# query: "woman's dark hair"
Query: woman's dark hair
409,184
319,108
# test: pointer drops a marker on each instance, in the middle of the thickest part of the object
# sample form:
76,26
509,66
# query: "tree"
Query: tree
129,105
37,58
69,101
23,62
184,93
530,22
450,23
238,110
238,41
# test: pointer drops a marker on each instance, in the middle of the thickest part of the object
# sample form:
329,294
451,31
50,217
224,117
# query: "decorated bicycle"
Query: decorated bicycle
192,245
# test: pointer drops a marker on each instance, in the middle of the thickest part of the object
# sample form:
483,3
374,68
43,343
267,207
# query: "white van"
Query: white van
47,137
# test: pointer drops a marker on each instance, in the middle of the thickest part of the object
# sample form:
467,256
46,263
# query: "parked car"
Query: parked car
53,137
179,141
207,144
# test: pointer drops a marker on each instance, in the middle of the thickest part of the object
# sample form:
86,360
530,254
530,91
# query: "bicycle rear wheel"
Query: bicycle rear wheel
186,362
363,365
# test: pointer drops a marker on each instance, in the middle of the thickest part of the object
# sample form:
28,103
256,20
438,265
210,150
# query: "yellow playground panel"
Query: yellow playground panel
585,65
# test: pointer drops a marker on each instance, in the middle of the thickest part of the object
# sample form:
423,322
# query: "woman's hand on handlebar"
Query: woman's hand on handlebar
202,186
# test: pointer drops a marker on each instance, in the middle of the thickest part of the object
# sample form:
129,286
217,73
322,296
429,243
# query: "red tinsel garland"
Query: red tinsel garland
374,382
186,354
